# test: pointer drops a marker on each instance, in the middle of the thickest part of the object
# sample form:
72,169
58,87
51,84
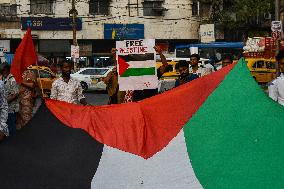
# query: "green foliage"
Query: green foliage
236,13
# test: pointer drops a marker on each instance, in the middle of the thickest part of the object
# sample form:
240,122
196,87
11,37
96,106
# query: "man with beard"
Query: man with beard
67,89
185,76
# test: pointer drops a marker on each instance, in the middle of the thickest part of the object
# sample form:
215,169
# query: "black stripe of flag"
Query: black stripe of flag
138,57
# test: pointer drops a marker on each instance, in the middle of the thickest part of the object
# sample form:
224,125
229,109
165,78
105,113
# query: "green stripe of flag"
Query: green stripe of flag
235,139
139,72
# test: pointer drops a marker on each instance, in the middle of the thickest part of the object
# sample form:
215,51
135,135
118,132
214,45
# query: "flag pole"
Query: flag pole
40,80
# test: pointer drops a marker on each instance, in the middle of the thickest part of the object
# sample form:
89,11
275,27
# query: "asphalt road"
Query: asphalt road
96,98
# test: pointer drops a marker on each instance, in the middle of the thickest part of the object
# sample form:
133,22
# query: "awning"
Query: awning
213,45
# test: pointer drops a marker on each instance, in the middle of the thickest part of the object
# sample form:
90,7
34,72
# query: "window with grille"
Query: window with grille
8,10
195,8
153,8
99,7
41,6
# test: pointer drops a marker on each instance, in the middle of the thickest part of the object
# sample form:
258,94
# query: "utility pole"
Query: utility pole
73,13
277,18
277,14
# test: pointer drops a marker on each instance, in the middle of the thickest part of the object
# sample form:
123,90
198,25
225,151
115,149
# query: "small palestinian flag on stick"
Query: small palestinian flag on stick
136,64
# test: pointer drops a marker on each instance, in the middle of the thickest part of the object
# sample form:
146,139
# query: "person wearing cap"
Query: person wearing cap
276,87
12,93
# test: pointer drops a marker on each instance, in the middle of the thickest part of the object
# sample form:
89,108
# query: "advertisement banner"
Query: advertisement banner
75,51
276,28
124,31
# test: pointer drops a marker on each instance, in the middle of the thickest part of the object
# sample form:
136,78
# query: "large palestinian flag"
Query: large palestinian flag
231,138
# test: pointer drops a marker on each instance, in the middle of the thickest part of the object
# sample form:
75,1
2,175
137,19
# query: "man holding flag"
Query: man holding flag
25,56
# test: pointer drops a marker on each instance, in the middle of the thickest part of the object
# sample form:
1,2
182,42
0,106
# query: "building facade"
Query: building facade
99,23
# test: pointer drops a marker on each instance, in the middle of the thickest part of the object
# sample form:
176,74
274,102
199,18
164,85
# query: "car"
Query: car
90,78
263,70
174,74
45,77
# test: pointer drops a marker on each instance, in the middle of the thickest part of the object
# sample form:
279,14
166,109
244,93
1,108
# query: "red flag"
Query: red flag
25,56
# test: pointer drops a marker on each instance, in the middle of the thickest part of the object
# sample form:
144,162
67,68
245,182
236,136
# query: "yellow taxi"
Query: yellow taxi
262,70
172,74
46,77
173,63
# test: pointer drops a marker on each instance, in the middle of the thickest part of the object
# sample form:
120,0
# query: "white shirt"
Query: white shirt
70,92
3,110
202,70
219,67
276,89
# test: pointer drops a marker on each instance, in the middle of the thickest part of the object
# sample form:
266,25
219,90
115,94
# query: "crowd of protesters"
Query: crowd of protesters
18,100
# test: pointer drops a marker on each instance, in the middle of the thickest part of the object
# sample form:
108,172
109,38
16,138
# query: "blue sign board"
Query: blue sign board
124,31
47,23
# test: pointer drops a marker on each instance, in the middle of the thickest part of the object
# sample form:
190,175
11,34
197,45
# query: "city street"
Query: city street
97,97
150,94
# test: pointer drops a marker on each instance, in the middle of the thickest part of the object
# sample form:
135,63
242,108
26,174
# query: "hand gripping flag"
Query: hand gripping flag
25,56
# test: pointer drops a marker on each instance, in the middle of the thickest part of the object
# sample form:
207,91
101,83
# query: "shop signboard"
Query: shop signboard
207,33
124,31
85,49
47,23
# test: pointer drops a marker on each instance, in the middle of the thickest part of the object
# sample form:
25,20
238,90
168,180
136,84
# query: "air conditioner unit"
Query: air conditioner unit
267,16
159,9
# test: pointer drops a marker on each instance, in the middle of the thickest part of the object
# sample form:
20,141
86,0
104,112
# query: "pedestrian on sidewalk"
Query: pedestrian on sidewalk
67,89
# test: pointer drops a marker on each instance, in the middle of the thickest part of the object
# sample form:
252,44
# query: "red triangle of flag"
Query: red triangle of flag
123,65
